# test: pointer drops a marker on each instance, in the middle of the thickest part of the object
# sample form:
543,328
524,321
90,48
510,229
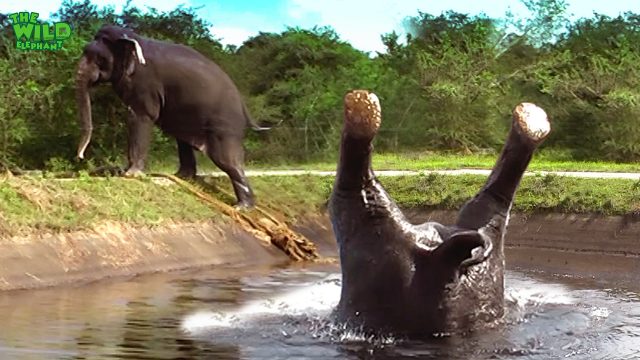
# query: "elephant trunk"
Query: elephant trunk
86,75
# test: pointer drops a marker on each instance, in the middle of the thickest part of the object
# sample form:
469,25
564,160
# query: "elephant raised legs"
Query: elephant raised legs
427,278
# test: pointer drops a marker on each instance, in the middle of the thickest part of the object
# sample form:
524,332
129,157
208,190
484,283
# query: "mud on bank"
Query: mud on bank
578,245
72,231
116,250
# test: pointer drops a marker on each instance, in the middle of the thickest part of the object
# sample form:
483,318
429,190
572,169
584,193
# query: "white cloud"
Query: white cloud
360,22
160,5
232,35
45,8
297,12
235,26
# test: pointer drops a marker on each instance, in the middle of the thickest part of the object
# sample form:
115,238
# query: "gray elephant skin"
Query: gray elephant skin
175,88
419,280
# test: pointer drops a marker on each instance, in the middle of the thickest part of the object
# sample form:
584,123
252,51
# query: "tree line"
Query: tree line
449,86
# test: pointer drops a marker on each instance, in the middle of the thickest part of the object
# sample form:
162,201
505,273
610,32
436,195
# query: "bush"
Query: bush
450,87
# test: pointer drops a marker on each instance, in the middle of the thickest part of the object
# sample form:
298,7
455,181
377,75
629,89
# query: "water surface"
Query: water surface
250,312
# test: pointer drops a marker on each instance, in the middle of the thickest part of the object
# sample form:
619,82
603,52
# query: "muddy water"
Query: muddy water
249,312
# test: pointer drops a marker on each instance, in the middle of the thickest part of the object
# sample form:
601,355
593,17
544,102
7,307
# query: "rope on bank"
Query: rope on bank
258,222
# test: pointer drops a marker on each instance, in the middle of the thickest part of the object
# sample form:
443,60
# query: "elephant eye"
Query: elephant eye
101,61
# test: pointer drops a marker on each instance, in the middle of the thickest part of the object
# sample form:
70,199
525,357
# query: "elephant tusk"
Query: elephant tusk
139,54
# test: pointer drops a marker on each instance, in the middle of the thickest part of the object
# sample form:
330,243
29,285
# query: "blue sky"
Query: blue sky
360,22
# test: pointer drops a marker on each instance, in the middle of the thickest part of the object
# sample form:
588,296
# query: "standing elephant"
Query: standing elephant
174,87
422,279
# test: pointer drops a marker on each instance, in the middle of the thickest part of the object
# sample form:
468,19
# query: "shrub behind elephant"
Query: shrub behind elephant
174,87
422,279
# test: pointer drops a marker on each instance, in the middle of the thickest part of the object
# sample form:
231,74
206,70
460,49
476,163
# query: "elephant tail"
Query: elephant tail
252,123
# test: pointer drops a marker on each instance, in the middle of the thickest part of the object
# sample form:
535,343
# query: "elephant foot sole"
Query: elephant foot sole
532,121
362,114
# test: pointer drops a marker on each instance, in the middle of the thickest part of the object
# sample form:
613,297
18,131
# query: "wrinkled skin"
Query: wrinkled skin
174,87
418,280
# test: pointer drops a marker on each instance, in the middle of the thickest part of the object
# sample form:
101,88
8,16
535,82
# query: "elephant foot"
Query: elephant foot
532,122
244,206
133,173
362,115
186,174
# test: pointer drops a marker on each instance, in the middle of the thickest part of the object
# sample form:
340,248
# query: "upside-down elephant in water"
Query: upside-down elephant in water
174,87
418,280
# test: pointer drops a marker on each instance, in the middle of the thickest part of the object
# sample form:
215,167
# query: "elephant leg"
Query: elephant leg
492,204
228,154
187,158
362,120
139,139
357,197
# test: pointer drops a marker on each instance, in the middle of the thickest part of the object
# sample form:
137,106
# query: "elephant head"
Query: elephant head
113,55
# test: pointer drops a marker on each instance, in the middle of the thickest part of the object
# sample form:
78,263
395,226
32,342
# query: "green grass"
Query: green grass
536,194
544,161
292,196
422,161
29,205
39,204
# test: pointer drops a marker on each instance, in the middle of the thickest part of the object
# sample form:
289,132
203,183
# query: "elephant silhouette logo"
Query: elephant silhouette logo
34,35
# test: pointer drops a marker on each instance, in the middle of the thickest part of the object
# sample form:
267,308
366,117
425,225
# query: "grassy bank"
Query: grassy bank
37,204
29,205
544,161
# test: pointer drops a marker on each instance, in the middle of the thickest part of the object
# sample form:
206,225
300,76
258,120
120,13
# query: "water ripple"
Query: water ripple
286,313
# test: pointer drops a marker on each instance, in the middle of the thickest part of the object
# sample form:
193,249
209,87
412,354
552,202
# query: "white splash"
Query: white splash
600,312
315,299
538,294
205,319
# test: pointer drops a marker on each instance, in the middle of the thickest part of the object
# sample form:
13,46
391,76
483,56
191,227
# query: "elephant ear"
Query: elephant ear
457,250
133,55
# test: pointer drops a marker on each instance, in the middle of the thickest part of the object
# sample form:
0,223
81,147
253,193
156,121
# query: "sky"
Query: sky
360,22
